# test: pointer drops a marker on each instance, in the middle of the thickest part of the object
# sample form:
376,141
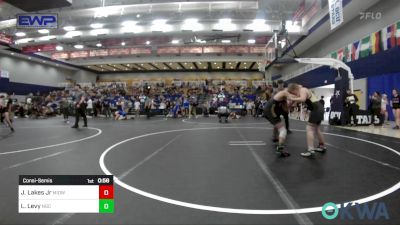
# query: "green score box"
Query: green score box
106,206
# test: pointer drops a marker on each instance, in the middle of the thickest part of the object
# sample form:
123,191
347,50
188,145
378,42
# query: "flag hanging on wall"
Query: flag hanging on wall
340,54
398,33
389,37
365,49
347,53
375,42
355,50
334,55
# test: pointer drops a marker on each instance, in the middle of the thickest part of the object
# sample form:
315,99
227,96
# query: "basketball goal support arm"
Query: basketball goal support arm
333,63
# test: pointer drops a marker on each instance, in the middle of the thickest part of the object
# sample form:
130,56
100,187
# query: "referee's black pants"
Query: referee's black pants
78,113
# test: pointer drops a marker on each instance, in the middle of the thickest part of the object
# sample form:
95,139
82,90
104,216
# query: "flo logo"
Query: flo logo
351,211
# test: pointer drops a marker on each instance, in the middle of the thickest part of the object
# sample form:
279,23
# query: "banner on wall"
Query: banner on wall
4,74
335,13
337,114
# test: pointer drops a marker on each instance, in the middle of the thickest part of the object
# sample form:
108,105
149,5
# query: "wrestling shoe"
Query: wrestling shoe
308,154
321,148
280,152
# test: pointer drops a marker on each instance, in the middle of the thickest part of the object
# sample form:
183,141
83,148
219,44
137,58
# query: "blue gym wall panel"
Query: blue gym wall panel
25,89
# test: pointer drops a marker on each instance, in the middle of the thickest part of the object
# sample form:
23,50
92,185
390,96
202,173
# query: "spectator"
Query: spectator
395,103
137,108
322,101
376,104
351,107
384,105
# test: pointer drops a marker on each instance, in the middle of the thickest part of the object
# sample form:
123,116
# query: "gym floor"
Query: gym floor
199,171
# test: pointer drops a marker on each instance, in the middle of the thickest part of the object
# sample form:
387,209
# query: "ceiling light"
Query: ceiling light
43,61
78,46
71,34
99,45
225,25
137,15
251,41
230,63
226,41
96,32
43,31
175,41
23,40
165,68
218,67
259,25
244,63
127,64
57,64
191,67
192,24
170,64
290,27
141,64
46,38
20,34
245,67
96,25
129,23
159,21
215,63
114,69
69,28
147,42
160,25
59,48
123,43
12,53
185,63
199,63
132,29
29,58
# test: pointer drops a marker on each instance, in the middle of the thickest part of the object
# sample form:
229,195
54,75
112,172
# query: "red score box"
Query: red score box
106,192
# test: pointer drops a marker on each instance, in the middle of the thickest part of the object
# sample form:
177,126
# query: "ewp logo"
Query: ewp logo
362,211
37,21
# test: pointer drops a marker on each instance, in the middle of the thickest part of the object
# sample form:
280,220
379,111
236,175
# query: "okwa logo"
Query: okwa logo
352,211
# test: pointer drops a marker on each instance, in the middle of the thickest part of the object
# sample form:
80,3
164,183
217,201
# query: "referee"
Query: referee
80,106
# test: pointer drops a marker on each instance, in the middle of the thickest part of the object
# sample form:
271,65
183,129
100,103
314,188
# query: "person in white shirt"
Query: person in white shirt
89,107
249,107
137,108
384,112
162,107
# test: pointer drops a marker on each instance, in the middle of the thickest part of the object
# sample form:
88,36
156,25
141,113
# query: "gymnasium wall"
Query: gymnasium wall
30,76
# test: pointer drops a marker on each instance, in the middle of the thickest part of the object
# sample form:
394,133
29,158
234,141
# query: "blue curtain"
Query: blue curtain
384,84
